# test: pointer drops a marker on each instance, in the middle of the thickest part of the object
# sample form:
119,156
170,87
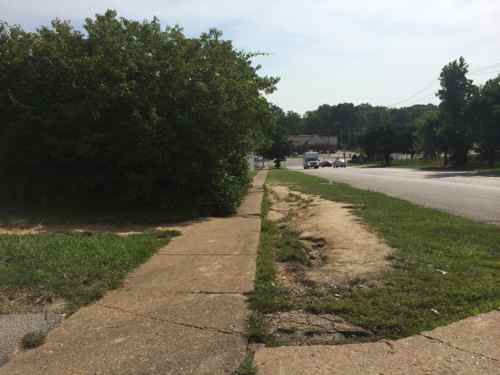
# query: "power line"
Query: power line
431,84
427,87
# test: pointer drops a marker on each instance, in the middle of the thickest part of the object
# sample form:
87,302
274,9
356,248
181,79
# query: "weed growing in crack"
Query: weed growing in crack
247,367
33,339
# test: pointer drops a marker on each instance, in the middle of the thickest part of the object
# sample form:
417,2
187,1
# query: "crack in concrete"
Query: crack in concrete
209,254
458,348
182,324
248,216
209,293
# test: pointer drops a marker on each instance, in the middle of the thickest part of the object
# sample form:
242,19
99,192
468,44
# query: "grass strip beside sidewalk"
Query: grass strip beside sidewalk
445,267
77,267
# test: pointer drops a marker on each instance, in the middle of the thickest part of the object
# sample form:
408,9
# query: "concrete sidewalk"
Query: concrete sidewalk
468,347
182,312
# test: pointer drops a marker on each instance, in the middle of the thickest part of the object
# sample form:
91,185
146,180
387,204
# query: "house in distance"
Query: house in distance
320,143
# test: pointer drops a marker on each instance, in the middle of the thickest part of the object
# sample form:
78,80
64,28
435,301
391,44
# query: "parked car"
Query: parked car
259,162
340,163
325,163
311,160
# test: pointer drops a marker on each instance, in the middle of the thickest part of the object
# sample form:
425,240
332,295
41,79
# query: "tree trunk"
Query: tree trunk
460,156
387,158
491,158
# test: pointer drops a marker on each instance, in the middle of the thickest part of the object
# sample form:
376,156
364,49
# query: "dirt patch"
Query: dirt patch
88,229
342,254
344,251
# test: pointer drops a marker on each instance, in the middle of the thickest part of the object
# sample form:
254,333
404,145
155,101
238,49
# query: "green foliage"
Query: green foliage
127,113
76,267
289,248
442,263
268,295
485,112
427,134
278,146
257,329
456,93
33,339
247,367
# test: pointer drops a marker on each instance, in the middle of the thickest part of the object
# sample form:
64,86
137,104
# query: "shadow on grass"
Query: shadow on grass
25,215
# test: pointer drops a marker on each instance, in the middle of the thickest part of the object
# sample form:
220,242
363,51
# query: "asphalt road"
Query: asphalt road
475,195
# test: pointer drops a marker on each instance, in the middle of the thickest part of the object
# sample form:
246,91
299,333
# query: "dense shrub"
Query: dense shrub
127,112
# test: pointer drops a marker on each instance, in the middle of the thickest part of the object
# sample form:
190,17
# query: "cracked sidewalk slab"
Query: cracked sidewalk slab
197,309
98,340
180,314
479,334
468,347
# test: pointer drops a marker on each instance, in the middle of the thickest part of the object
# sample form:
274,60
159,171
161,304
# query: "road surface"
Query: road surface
475,195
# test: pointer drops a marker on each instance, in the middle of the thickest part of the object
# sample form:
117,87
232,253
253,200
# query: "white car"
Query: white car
339,163
314,163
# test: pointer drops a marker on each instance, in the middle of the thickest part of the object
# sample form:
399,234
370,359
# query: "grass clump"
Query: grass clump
76,267
445,268
290,248
257,330
268,296
247,367
33,340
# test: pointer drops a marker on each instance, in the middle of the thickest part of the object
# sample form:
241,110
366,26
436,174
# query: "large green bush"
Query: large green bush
126,112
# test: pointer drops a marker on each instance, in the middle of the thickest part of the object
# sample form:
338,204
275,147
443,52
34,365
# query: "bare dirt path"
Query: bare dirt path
351,252
182,312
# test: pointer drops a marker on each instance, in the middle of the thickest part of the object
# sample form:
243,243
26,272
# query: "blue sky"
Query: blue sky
381,52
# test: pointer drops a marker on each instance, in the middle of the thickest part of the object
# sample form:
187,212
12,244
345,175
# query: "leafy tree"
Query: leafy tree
128,113
485,112
427,134
456,93
278,147
381,140
293,123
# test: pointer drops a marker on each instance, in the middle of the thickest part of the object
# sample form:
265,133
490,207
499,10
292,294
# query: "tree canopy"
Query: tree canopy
128,112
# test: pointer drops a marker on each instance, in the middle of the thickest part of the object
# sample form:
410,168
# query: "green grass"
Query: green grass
268,295
29,214
76,267
33,339
445,267
257,329
289,248
247,367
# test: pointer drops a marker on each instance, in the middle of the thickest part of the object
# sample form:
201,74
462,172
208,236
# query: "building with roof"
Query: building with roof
321,143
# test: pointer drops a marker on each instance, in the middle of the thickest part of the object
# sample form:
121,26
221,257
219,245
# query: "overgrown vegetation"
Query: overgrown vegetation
445,267
33,339
127,113
77,267
247,367
268,296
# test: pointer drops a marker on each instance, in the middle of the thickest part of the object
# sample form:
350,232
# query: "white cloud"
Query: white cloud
326,51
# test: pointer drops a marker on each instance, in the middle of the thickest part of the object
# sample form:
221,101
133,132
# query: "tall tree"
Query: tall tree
427,134
485,111
456,93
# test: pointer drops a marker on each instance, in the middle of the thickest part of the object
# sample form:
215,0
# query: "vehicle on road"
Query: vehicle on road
325,163
311,160
259,162
340,163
